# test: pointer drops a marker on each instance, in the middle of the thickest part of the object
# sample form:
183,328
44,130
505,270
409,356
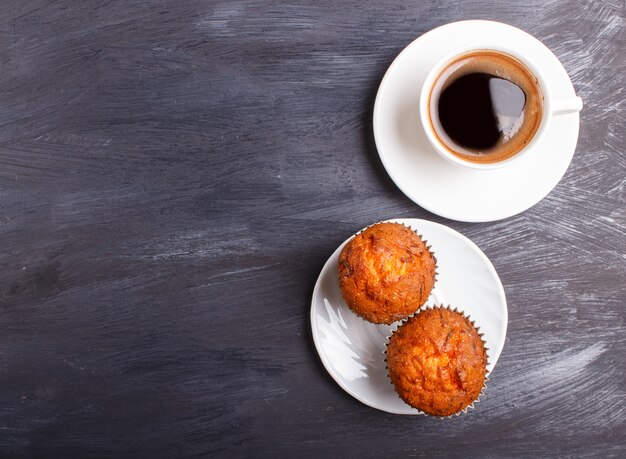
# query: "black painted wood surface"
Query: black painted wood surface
174,174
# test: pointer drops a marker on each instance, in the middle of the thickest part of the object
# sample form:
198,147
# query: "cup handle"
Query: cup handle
566,105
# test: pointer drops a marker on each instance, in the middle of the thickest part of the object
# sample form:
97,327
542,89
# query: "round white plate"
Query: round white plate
446,189
352,350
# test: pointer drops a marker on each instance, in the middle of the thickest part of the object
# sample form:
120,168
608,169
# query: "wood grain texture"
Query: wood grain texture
174,174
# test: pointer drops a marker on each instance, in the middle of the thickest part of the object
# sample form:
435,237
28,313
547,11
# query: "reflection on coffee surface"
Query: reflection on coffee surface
485,106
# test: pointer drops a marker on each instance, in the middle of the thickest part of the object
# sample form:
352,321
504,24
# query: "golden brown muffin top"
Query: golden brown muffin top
386,273
437,362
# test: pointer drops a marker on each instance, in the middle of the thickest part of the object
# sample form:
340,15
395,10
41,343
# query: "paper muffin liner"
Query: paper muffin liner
398,324
432,254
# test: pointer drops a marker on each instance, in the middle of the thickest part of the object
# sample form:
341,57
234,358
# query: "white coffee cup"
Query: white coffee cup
552,106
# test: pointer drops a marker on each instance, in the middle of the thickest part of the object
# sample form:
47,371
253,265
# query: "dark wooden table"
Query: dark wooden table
174,174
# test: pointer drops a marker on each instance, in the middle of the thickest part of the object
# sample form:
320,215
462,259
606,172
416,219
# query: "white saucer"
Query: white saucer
448,190
352,349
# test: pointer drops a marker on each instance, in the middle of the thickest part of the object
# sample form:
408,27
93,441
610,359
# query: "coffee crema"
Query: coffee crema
485,106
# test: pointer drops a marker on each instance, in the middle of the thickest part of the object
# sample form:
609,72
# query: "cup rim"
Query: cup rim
425,108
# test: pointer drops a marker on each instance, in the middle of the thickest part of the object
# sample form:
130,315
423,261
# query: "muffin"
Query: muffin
437,362
386,273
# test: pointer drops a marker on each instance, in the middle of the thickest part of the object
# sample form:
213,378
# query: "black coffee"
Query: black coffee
479,110
486,106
